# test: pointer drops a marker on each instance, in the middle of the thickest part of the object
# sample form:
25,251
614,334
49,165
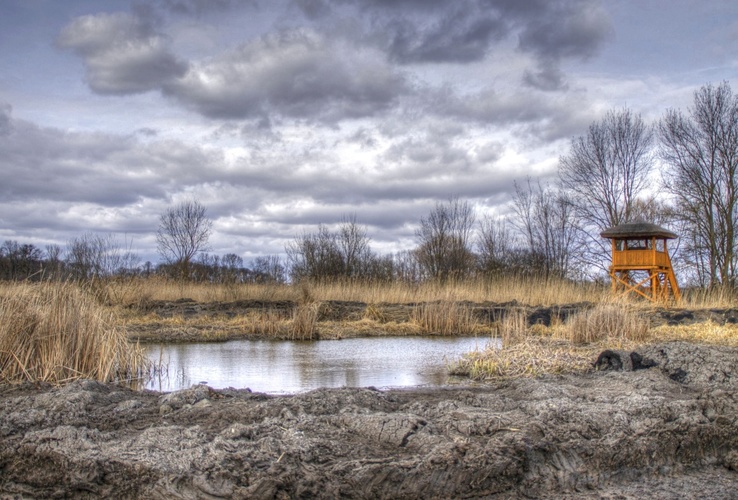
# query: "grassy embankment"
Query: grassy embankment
58,332
334,310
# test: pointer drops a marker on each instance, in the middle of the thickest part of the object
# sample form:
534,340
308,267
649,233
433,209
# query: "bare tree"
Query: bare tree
93,256
605,172
495,245
701,151
546,219
353,245
269,269
20,261
445,239
345,253
184,231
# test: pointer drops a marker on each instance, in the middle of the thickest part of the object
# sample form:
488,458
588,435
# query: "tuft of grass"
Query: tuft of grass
706,333
513,328
267,322
607,322
56,332
445,318
531,357
304,321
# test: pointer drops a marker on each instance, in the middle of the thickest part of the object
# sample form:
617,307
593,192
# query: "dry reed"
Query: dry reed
607,322
445,318
513,328
529,357
304,322
56,332
531,291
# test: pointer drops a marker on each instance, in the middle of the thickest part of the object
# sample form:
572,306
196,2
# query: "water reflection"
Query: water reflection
288,367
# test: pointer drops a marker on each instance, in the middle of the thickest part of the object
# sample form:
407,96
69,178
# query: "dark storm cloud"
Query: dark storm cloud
461,35
295,73
466,31
123,53
340,60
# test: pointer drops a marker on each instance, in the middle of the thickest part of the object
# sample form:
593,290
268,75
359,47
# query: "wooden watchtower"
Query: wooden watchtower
640,261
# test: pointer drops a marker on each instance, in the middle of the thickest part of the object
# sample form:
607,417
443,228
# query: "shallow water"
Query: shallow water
289,366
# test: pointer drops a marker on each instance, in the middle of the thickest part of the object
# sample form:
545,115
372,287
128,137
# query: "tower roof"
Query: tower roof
637,230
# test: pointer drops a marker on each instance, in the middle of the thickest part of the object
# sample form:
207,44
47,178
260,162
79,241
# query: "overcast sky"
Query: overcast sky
279,115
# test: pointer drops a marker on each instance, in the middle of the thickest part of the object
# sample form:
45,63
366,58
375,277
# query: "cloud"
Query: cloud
122,52
103,169
201,7
568,30
6,126
462,35
475,30
295,74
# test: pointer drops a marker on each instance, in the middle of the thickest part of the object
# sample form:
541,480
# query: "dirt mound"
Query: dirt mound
641,433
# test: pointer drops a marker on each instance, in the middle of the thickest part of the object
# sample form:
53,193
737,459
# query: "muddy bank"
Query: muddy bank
668,431
218,321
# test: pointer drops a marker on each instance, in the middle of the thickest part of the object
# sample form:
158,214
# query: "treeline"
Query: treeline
91,257
609,176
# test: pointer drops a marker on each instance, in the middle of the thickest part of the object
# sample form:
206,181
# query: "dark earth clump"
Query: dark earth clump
669,431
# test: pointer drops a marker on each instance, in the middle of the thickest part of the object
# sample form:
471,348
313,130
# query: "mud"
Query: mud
629,431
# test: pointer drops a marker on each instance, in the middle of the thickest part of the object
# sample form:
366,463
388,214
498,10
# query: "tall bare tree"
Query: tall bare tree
445,240
605,172
184,231
546,218
344,253
93,256
701,151
495,245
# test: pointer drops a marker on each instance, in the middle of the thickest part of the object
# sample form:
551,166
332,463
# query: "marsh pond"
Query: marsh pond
284,367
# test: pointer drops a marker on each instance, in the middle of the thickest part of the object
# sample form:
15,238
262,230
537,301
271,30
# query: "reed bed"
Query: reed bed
527,290
57,332
534,350
608,322
445,318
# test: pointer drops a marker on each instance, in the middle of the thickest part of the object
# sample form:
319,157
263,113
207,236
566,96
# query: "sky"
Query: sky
279,115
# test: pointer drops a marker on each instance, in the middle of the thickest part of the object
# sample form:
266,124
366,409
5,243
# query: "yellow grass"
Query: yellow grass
530,291
446,318
56,332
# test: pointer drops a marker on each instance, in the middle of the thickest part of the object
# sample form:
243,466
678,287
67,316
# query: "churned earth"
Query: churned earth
661,422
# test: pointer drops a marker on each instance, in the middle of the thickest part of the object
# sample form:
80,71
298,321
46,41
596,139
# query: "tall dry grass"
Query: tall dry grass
530,291
445,318
613,322
56,332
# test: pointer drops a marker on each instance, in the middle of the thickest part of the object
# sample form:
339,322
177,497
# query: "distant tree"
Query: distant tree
315,255
93,256
19,261
326,254
604,174
54,263
354,248
445,239
701,151
546,218
269,269
495,245
184,231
